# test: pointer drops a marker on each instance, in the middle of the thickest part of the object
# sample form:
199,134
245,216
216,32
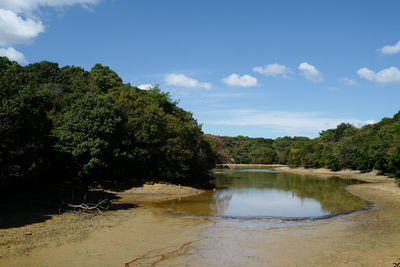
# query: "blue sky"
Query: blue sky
255,68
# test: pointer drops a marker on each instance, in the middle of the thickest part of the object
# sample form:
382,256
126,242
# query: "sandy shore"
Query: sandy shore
146,236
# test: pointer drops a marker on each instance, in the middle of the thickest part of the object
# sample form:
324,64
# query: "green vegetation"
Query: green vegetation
62,124
68,124
246,150
372,147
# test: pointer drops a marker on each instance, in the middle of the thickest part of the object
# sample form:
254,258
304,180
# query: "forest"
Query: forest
372,147
71,125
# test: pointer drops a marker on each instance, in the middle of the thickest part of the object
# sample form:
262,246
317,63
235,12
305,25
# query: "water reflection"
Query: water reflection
264,193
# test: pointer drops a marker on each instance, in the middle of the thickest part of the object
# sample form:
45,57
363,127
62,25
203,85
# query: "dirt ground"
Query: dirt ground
147,236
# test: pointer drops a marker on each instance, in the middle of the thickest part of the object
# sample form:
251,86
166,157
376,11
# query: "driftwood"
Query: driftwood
101,205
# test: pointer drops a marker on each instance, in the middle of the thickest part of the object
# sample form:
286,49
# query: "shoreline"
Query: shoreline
146,235
156,192
74,226
372,176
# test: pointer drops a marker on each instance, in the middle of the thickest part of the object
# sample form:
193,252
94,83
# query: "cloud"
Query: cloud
27,6
273,70
243,81
146,86
348,81
16,30
185,81
391,49
390,75
19,25
13,55
294,123
310,72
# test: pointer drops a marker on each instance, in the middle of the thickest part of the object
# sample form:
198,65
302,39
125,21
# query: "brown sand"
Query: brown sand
146,236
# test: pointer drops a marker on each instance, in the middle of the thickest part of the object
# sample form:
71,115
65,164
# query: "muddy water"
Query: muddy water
263,193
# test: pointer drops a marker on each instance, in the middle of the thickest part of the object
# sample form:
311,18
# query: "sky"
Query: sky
255,68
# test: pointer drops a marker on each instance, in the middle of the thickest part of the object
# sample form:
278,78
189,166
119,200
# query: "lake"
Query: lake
264,193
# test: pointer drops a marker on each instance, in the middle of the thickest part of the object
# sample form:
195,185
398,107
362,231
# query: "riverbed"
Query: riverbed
154,235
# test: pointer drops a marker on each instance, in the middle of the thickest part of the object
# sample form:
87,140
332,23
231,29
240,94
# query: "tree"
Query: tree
24,132
104,78
263,155
89,134
219,148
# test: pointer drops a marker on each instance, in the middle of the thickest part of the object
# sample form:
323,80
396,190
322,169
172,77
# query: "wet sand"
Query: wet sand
147,236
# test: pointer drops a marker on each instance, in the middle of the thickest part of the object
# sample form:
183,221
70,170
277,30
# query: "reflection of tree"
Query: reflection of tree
329,192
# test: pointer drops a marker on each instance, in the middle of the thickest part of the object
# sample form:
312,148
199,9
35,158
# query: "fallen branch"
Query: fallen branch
101,205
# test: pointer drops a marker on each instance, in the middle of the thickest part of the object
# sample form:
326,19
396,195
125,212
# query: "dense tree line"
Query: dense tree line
59,124
375,146
246,150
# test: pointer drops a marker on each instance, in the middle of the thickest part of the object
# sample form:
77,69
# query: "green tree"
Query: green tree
104,78
89,134
24,133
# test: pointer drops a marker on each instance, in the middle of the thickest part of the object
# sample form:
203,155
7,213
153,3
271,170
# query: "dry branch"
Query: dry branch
101,205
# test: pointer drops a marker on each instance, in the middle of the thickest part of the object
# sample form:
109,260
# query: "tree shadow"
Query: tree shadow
37,205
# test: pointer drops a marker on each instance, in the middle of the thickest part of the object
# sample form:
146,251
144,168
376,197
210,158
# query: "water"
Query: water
263,193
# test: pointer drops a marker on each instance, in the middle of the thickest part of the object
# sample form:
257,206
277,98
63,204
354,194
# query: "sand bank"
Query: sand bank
146,236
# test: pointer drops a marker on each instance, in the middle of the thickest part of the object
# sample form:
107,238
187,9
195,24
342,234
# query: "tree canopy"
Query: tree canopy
71,124
375,146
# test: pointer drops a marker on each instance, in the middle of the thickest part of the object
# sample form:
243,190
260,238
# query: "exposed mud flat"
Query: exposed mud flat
147,236
156,192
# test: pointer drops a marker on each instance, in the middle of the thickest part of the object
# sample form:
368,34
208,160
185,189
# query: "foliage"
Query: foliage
24,132
219,148
89,134
244,150
90,126
372,147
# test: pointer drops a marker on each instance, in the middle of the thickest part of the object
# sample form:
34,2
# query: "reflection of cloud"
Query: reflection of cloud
221,204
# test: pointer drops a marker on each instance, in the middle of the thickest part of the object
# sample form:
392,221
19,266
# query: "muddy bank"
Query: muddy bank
71,227
149,193
234,165
146,236
372,176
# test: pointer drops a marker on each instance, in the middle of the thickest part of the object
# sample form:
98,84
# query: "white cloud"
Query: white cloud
273,70
294,123
18,25
13,55
391,49
310,72
146,86
16,30
390,75
243,81
185,81
348,81
27,6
